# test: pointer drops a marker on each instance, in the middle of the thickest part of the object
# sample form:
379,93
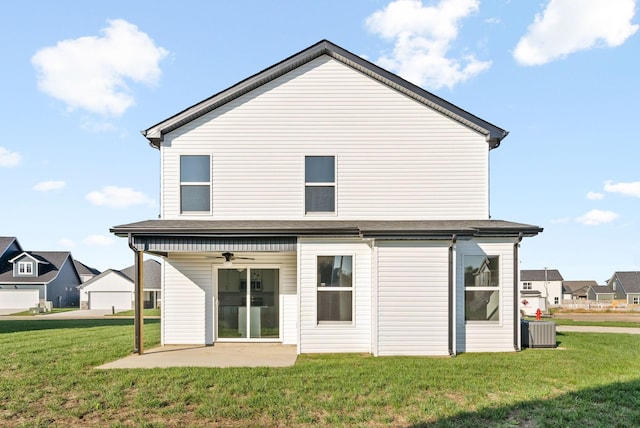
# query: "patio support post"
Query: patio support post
138,305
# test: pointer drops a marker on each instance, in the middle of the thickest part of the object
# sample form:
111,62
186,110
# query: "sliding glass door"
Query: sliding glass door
248,303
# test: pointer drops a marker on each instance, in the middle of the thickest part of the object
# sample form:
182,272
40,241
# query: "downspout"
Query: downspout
454,238
138,321
516,311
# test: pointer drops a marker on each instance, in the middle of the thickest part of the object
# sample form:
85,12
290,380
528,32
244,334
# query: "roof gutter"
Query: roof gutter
451,298
516,311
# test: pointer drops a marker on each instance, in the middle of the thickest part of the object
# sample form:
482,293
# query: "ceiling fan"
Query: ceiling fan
227,256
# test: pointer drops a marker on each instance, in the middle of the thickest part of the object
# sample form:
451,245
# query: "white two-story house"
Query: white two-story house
328,203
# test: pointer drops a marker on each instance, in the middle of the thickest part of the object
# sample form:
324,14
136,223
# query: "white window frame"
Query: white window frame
195,183
556,300
333,184
635,300
527,285
351,289
25,268
497,288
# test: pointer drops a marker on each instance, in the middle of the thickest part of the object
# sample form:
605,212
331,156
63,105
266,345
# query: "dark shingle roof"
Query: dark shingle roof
630,281
539,275
577,288
598,289
151,274
368,228
84,269
51,262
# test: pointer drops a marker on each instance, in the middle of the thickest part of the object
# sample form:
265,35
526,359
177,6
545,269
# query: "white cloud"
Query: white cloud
596,217
98,240
91,72
568,26
422,37
627,189
118,197
46,186
67,243
9,158
595,196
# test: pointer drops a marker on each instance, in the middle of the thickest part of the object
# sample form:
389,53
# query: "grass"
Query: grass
47,377
145,313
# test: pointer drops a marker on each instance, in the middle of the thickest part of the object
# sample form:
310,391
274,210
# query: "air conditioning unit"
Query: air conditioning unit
538,334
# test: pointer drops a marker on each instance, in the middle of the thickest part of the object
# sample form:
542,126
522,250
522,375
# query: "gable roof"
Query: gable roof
83,269
493,134
151,275
630,281
602,289
7,242
578,288
539,275
51,263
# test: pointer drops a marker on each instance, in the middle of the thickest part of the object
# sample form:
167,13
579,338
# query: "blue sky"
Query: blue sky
81,79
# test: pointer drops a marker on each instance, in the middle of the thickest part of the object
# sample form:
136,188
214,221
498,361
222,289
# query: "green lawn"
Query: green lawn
47,377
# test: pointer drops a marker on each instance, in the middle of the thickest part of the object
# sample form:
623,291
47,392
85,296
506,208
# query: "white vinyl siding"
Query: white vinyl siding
412,298
188,300
484,336
419,164
335,337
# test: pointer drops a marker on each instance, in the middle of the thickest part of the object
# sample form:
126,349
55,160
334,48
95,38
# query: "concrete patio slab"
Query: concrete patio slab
219,355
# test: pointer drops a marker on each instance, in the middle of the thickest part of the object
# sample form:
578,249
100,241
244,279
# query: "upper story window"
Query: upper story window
25,268
195,183
526,286
320,184
482,288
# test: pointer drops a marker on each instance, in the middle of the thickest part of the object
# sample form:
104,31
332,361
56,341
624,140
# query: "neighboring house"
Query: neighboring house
576,290
328,203
547,281
85,272
600,292
113,289
32,278
626,285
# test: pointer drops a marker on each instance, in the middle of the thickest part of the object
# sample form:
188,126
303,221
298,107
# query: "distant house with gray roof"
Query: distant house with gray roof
547,281
85,272
32,278
600,292
626,285
576,290
113,289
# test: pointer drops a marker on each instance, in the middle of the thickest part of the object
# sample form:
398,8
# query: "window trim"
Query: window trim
333,184
28,268
195,183
497,288
318,289
527,285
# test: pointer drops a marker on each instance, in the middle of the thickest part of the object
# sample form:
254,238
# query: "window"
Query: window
195,183
636,300
335,289
526,286
556,300
482,288
320,184
25,268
